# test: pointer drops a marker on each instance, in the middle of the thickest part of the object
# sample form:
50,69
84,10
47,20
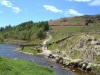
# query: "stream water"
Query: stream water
9,51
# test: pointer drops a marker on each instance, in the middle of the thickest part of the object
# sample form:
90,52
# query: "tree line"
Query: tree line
25,31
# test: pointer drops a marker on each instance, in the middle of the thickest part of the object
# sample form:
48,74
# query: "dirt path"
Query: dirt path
45,42
45,50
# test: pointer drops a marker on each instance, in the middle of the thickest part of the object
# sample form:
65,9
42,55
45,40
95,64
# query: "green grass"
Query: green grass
22,67
75,55
30,50
96,70
67,42
53,47
18,41
95,35
61,32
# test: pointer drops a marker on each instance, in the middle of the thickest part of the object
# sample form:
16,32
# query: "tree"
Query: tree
25,31
40,33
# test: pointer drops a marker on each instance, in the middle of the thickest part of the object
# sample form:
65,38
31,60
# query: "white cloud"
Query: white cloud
70,12
91,2
16,9
10,5
81,0
95,3
6,3
52,8
73,13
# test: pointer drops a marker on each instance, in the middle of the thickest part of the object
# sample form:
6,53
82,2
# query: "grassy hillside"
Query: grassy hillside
74,25
22,67
78,20
29,31
84,44
59,32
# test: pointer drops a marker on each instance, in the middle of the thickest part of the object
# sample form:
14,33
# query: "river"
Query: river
9,51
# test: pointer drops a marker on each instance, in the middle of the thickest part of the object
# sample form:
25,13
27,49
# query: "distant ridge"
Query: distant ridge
76,21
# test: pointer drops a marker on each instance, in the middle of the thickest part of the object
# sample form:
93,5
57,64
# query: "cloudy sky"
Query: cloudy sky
17,11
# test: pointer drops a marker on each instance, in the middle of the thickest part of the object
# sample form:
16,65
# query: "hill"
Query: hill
77,38
77,21
27,31
74,38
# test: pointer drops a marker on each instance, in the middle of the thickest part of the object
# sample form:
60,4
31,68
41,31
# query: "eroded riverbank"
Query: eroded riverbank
10,52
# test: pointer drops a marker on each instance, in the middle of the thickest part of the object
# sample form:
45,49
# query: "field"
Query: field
31,50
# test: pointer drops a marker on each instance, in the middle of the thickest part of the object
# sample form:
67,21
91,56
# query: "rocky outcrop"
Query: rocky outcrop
88,48
75,63
89,45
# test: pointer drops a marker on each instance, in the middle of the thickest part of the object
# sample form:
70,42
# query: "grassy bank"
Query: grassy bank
22,67
31,50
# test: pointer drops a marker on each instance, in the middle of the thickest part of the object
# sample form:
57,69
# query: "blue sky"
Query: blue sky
17,11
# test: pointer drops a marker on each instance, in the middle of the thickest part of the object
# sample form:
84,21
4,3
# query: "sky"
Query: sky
14,12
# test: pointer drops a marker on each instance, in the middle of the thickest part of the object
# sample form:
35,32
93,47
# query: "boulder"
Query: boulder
76,60
89,67
45,52
60,60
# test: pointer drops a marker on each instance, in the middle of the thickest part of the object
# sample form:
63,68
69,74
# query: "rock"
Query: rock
51,56
80,65
84,66
88,68
76,60
45,52
75,63
72,64
98,43
52,66
93,42
60,60
73,70
89,40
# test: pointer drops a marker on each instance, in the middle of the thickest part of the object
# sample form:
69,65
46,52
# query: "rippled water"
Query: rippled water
10,52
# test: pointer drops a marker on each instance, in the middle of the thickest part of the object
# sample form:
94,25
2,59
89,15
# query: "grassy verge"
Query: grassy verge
18,42
31,50
22,67
15,41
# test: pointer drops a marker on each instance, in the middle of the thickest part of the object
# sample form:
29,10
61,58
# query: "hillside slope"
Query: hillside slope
77,21
27,31
77,38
